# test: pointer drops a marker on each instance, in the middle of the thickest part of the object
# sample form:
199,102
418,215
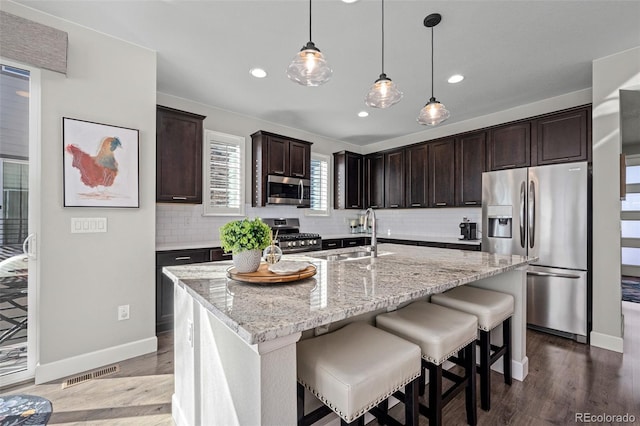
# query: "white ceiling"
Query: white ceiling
511,53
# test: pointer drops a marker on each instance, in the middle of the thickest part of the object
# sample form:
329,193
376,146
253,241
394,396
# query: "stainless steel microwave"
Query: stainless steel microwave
288,190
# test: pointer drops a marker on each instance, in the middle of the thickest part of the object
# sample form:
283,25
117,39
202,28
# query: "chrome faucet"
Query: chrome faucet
374,241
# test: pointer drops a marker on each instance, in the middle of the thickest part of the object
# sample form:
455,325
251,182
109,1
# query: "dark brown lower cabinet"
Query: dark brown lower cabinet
164,286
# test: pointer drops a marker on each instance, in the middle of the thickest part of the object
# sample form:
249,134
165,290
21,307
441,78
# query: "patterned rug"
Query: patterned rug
631,289
23,410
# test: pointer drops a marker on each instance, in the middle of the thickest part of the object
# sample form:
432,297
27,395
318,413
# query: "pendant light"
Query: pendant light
433,113
384,92
309,68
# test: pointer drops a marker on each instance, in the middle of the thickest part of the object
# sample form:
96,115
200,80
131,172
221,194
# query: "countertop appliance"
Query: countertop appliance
468,230
544,211
290,239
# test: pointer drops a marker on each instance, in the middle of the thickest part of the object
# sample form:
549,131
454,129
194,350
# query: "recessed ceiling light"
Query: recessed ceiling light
456,78
349,1
363,113
258,72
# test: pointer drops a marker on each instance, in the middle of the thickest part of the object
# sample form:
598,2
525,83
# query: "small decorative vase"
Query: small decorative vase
272,254
247,261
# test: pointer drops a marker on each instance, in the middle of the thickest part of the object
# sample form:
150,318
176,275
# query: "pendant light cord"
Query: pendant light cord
310,20
382,36
433,97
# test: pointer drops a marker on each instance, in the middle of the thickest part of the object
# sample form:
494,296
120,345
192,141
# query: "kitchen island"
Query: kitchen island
235,343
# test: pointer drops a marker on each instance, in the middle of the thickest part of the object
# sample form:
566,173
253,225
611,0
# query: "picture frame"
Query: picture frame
101,164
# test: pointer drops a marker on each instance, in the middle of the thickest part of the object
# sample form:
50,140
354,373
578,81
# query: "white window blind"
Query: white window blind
630,223
319,185
223,174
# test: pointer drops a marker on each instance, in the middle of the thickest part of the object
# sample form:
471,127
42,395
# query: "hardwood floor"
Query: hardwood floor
564,378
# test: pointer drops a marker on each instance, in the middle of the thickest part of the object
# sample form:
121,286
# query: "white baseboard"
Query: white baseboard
606,341
519,370
81,363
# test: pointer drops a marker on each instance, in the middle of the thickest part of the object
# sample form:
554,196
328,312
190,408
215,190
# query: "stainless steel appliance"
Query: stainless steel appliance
544,212
290,239
288,190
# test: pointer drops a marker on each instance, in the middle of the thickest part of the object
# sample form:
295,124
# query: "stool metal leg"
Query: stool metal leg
506,341
485,370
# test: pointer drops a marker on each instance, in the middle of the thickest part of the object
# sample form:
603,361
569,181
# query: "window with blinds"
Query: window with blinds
223,174
319,185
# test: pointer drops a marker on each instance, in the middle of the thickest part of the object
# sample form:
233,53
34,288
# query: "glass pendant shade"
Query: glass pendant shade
383,93
308,67
433,113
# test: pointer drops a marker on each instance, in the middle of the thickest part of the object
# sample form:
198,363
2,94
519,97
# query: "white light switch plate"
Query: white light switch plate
82,225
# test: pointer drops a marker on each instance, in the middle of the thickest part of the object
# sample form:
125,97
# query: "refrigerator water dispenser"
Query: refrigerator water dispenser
500,219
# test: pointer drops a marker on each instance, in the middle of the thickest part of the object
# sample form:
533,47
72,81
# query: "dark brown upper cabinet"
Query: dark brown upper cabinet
374,180
563,137
510,146
394,178
276,155
348,180
178,156
471,162
442,173
416,176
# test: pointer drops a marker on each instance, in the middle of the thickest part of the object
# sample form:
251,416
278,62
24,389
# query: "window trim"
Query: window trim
327,159
212,135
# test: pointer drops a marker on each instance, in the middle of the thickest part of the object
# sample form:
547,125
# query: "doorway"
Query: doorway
630,227
19,106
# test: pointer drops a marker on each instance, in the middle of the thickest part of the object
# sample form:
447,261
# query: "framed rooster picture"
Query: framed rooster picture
100,164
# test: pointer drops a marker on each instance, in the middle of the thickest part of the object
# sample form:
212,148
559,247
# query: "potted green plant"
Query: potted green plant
246,239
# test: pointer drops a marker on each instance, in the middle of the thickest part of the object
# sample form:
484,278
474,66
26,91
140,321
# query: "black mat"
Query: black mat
23,410
631,289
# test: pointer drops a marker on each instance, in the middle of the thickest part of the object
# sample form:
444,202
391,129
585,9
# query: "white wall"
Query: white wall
610,74
84,277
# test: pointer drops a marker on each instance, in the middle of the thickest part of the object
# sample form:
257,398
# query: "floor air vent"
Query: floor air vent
85,377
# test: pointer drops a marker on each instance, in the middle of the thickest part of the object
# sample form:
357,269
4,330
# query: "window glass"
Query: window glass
319,185
630,228
633,174
631,202
631,256
223,174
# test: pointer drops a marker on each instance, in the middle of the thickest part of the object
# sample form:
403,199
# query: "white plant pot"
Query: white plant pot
247,261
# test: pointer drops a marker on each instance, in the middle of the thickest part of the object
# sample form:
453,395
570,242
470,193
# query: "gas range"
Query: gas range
290,239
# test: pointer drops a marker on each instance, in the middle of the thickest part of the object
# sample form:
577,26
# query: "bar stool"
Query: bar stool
492,308
440,332
354,369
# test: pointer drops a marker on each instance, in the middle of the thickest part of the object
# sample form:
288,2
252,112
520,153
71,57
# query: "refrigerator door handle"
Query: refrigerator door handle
532,214
522,207
553,274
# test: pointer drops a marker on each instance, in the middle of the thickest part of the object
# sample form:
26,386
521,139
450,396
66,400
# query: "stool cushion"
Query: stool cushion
353,369
440,332
490,307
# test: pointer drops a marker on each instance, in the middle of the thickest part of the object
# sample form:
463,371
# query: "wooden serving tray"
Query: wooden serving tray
264,276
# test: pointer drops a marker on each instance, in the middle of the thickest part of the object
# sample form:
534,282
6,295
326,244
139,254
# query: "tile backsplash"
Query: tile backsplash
184,223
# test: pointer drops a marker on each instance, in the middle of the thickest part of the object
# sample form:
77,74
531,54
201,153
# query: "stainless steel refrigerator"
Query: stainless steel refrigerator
544,212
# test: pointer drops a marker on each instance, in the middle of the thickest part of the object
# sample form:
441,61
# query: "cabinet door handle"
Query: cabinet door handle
470,203
183,258
508,166
332,244
441,204
416,205
352,243
374,207
393,205
179,198
355,205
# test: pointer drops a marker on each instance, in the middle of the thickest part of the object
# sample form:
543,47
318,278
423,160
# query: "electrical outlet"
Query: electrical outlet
123,312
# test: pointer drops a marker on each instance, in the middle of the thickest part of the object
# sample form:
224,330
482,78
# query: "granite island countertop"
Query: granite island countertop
339,290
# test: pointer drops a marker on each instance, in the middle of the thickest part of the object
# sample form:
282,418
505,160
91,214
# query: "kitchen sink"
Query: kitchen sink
348,255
